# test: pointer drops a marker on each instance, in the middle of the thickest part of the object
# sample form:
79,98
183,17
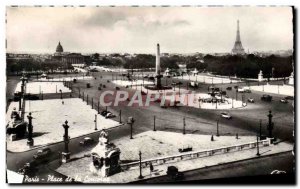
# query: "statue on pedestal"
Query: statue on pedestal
105,157
260,76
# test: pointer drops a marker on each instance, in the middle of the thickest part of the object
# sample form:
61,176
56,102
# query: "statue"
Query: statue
260,76
105,157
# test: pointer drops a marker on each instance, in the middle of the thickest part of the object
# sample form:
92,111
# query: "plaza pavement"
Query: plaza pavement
48,117
154,144
275,89
43,87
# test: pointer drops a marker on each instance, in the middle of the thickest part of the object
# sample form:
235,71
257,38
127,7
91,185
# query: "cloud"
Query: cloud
138,29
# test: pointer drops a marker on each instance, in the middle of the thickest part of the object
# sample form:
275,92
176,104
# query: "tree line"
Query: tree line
230,65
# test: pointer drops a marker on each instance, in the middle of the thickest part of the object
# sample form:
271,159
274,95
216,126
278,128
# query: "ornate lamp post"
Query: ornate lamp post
30,128
66,153
131,121
23,79
218,128
257,146
95,122
154,129
270,124
183,125
60,94
140,155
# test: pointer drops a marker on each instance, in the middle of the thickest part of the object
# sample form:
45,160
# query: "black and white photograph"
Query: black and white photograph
150,94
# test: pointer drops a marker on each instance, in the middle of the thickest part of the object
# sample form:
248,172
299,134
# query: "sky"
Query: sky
138,29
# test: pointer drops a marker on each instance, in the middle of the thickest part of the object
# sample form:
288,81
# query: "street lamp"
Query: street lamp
95,122
130,121
140,155
257,145
30,128
66,154
184,125
60,94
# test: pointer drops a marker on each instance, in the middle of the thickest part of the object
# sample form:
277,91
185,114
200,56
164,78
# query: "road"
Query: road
234,171
198,121
245,120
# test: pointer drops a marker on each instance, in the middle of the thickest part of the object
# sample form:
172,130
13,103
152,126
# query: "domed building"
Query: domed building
59,48
67,58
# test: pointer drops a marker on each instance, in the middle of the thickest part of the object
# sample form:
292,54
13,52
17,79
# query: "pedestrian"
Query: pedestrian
151,169
62,102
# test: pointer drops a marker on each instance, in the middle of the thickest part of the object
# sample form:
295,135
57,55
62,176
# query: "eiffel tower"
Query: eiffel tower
238,47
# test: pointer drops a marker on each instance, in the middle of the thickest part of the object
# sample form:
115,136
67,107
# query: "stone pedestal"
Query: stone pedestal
65,157
105,157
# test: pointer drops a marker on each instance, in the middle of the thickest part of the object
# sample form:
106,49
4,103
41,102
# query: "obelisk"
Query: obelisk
157,65
157,68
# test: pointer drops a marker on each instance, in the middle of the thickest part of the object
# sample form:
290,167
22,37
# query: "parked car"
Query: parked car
185,149
266,98
226,115
86,141
251,100
235,86
284,100
42,153
229,88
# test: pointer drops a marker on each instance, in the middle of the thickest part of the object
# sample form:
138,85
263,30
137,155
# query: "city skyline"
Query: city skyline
132,30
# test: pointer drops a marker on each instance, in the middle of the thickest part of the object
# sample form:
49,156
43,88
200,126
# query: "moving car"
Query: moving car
103,113
284,100
109,115
289,98
239,90
86,141
251,100
42,153
226,115
174,174
267,98
276,172
229,88
247,89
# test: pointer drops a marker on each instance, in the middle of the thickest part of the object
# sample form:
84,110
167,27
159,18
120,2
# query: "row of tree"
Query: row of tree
250,65
242,66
